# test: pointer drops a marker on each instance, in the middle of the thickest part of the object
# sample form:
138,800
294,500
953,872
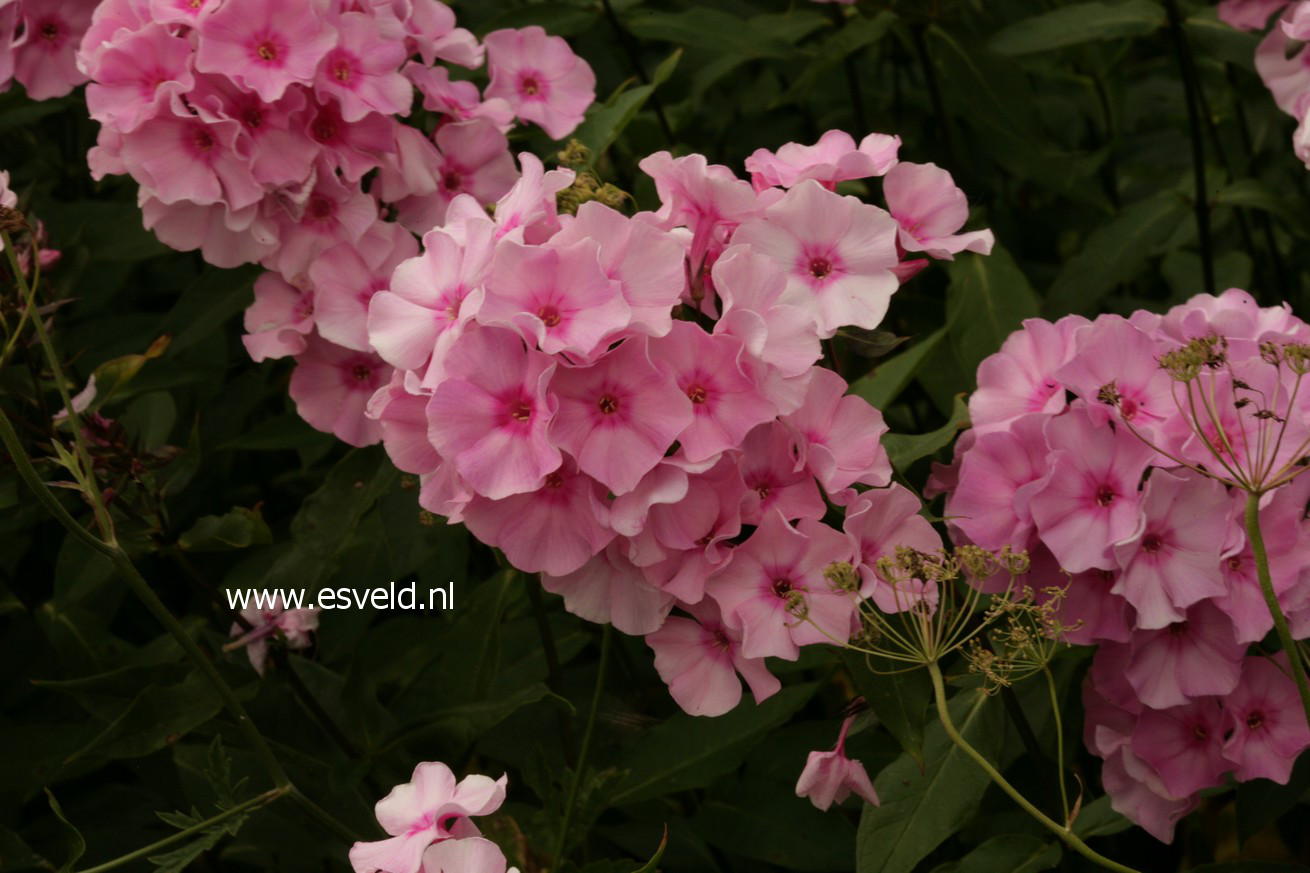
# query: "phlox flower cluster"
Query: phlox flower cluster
1088,451
38,45
275,132
632,405
430,823
1281,59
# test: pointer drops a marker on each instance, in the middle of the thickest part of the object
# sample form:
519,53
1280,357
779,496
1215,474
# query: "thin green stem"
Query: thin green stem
1065,833
561,843
1059,739
554,677
1191,86
1271,600
146,851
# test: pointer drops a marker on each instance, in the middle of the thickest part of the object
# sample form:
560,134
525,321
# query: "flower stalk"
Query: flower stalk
1294,656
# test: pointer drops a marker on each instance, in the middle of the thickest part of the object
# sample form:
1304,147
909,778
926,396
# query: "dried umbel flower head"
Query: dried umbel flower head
1024,631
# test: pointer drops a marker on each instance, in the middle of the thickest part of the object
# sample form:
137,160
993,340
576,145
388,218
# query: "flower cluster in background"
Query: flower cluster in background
275,133
1088,452
38,45
1281,60
633,406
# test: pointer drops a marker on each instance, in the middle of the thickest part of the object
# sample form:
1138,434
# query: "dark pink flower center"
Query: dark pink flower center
451,180
549,315
1105,495
1200,731
697,394
266,51
341,70
1255,719
1152,543
554,480
783,586
50,31
1128,408
763,490
820,268
1178,628
203,139
721,640
529,85
608,404
1235,564
320,208
361,372
521,411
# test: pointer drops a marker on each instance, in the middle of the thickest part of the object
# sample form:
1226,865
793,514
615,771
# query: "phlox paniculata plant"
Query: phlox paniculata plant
1125,454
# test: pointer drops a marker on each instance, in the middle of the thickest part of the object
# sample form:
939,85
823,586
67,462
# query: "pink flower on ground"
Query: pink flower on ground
837,253
1090,500
834,158
1020,378
620,415
431,807
699,659
609,589
557,298
1184,744
1172,560
1196,657
830,777
363,70
489,415
1266,724
45,55
265,47
774,578
540,77
839,436
331,387
279,319
553,530
926,203
878,522
294,625
717,377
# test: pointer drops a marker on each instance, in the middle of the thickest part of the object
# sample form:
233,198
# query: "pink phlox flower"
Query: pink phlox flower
839,435
834,158
830,777
279,319
997,477
752,289
137,75
294,625
346,277
878,522
1115,369
1184,745
771,480
929,208
1021,377
331,387
609,589
703,197
1266,728
45,53
1196,657
265,47
362,71
540,77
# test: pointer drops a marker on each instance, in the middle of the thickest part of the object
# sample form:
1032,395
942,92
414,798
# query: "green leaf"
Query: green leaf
651,865
781,830
1261,802
1007,854
1255,194
922,807
239,528
1078,23
898,700
18,855
1098,819
605,121
988,299
74,839
458,726
890,378
1116,252
157,717
690,752
904,449
857,34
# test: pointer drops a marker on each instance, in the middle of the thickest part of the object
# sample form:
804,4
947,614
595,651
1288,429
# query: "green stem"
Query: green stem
1191,86
1065,833
1059,739
561,843
1271,600
83,456
554,678
145,851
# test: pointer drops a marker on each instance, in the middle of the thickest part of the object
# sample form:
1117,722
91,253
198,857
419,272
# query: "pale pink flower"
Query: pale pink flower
647,263
834,158
1248,14
620,415
777,572
186,12
699,659
271,139
403,418
528,211
333,212
331,387
1172,559
373,142
830,777
609,589
879,522
836,252
279,319
1115,369
346,277
1020,378
926,203
540,77
470,157
45,54
997,477
555,529
1267,728
182,158
1196,657
1184,744
432,807
839,436
458,98
718,378
224,238
703,197
294,626
558,298
468,855
135,76
1137,793
490,414
768,471
362,71
430,27
265,47
752,289
1090,499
